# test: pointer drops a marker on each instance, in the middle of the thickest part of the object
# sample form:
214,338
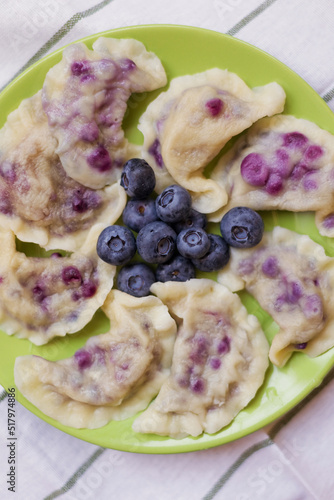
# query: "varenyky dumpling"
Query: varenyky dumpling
293,280
188,125
281,163
44,297
85,98
115,375
219,361
38,201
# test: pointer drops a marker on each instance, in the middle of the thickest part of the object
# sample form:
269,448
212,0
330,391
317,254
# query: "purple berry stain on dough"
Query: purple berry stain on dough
100,160
275,184
295,140
197,385
88,289
313,152
254,170
270,267
71,276
215,363
155,151
214,106
79,68
303,345
83,358
224,345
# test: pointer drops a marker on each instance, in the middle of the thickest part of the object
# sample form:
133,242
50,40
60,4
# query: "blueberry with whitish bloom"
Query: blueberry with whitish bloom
216,258
193,243
173,204
136,279
138,178
139,213
242,227
156,242
194,219
177,269
116,245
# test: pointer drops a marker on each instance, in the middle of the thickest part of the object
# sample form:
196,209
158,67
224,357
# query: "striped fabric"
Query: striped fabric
292,459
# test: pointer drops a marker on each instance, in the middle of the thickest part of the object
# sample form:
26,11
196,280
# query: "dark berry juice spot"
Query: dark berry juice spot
79,68
39,293
88,289
83,358
214,106
295,140
274,184
270,267
155,151
303,345
254,170
100,160
71,275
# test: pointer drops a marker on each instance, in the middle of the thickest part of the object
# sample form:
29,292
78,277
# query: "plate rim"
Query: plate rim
196,444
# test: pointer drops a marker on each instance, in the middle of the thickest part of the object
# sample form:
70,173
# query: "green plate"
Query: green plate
185,50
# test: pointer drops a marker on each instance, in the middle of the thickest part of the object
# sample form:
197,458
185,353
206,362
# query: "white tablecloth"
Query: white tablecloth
292,459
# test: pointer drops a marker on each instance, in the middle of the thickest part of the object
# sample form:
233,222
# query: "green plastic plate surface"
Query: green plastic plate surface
187,50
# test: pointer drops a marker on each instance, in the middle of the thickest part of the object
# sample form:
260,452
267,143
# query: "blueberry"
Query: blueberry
116,245
135,279
217,256
177,269
194,219
241,227
138,178
138,213
156,242
193,243
173,204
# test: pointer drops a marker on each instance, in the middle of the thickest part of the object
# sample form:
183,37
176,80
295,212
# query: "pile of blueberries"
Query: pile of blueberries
170,234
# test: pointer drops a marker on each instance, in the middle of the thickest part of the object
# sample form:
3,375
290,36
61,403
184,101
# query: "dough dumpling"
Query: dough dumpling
188,125
85,98
115,375
219,361
44,297
281,163
38,201
293,280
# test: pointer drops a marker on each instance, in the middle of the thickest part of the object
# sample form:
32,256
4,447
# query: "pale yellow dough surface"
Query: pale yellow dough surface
309,189
37,303
190,136
219,361
36,190
85,111
127,367
293,280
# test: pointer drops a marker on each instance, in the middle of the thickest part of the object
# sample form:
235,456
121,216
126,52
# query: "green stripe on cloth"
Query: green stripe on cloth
3,395
231,470
73,479
292,413
66,28
272,434
329,95
252,15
